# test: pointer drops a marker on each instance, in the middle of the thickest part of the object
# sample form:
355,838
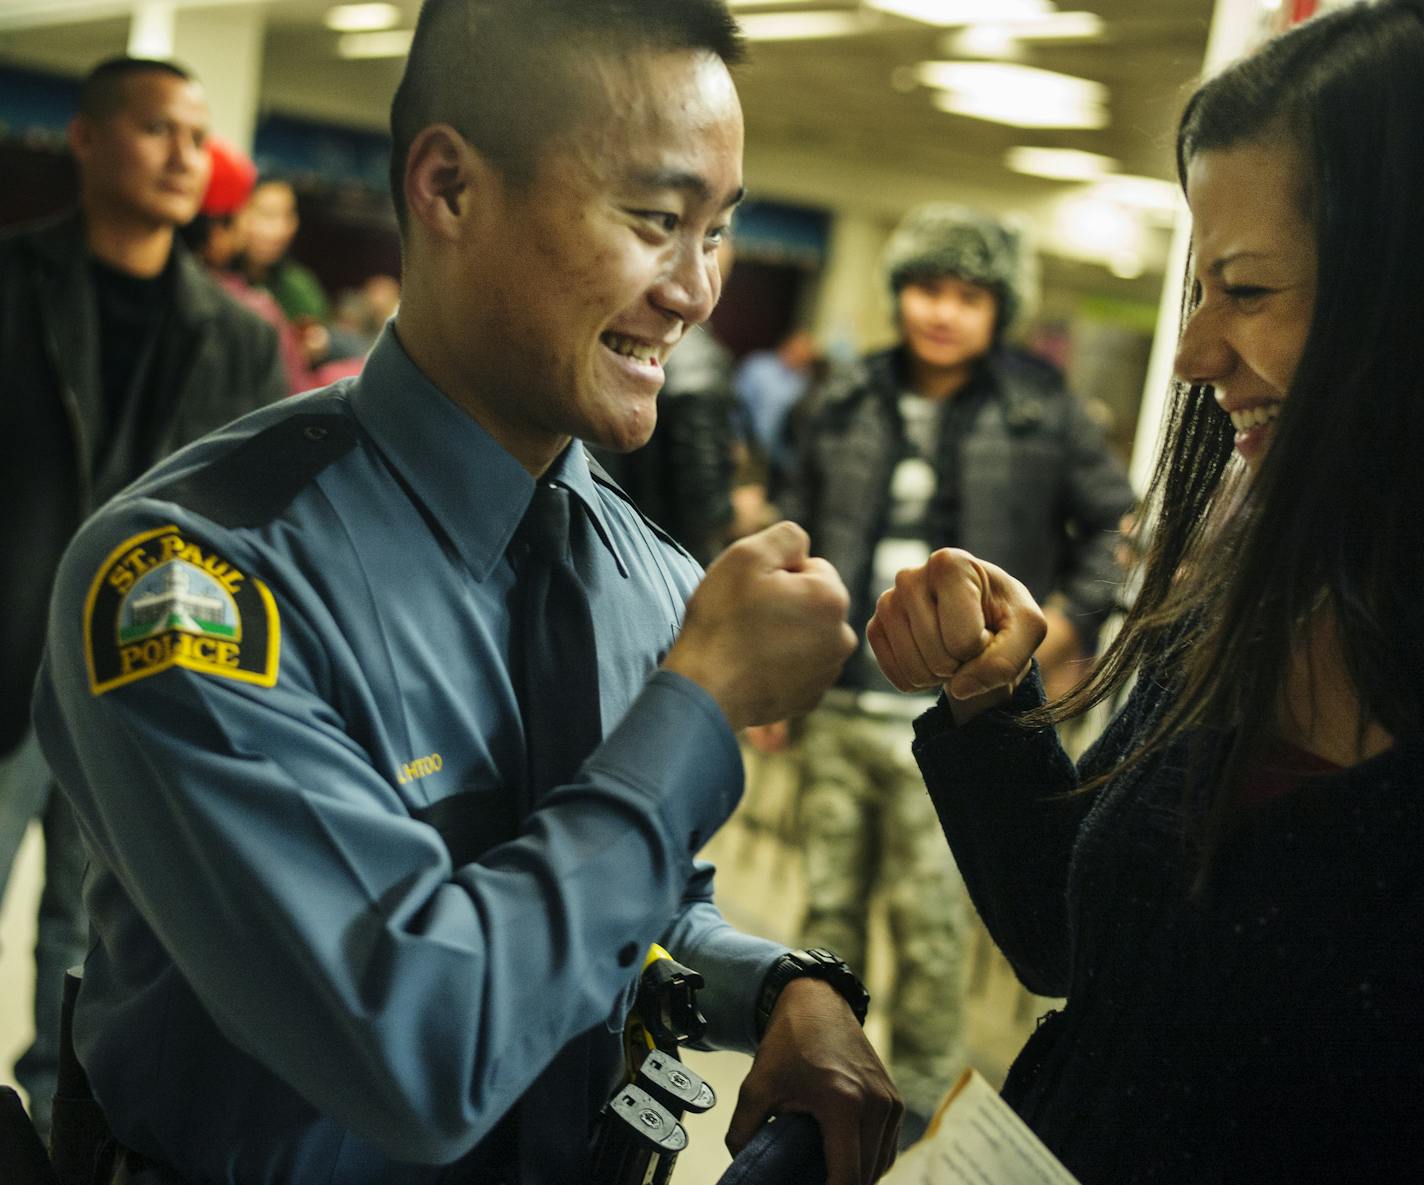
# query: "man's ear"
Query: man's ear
80,135
445,178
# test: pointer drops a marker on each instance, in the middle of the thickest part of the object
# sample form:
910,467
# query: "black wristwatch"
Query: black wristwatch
813,964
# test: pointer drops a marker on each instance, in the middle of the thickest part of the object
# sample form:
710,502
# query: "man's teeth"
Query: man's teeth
630,348
1254,417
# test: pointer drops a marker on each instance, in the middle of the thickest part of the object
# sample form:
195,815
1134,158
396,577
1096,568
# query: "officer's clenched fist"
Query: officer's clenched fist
959,623
765,632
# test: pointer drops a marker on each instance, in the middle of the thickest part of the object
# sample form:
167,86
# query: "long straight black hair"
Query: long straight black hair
1236,569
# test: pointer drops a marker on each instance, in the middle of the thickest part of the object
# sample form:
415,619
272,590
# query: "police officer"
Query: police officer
342,931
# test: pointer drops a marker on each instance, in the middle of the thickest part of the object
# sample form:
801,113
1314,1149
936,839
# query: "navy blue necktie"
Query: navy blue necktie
557,664
556,671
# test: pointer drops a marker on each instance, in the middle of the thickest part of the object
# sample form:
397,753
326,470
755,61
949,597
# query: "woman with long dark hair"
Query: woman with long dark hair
1229,889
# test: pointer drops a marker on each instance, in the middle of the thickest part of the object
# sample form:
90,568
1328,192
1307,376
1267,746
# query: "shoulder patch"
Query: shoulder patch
254,482
162,600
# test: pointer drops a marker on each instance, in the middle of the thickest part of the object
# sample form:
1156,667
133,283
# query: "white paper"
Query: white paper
976,1139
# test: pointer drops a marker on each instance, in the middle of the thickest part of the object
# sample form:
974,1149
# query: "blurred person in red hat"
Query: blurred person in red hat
231,181
268,224
216,236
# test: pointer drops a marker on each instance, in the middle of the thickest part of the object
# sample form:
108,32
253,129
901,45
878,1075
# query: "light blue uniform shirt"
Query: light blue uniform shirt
278,695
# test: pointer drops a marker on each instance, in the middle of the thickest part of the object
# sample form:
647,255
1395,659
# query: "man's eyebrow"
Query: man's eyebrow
693,183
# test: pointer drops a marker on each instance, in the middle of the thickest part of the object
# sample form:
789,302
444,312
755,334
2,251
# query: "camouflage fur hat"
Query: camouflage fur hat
942,239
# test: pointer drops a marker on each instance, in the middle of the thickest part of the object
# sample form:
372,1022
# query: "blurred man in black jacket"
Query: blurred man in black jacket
115,349
952,438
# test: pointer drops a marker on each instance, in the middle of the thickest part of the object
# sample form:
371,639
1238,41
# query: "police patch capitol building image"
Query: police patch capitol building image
177,596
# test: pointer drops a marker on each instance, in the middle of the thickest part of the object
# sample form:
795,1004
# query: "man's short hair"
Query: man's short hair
504,73
101,93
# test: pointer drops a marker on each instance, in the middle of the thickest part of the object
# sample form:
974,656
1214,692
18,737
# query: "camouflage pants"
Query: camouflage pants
868,830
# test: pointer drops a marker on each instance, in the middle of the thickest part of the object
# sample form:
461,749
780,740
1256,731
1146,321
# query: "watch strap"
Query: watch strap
815,963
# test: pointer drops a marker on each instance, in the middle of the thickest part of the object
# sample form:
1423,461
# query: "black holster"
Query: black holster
81,1146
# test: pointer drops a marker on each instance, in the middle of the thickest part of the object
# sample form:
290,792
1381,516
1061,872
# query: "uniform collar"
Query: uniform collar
472,486
571,471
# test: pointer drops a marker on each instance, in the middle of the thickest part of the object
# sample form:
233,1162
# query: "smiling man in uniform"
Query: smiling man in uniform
377,842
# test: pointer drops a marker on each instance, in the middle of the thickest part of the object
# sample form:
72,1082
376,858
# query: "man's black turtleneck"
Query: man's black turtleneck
132,311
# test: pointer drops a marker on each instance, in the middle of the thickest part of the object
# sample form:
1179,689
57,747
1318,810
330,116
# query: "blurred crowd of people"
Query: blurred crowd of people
125,350
244,232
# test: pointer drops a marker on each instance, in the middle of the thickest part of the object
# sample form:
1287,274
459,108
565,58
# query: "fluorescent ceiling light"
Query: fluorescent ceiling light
1021,96
984,41
392,43
1126,265
1059,26
362,18
997,77
964,12
1149,194
1022,113
1002,39
801,26
1060,164
1084,226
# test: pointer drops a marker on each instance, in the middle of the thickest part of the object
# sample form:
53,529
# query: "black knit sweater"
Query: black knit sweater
1270,1030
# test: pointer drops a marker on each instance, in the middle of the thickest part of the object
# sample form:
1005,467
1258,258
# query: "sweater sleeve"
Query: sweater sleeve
1007,800
1001,793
